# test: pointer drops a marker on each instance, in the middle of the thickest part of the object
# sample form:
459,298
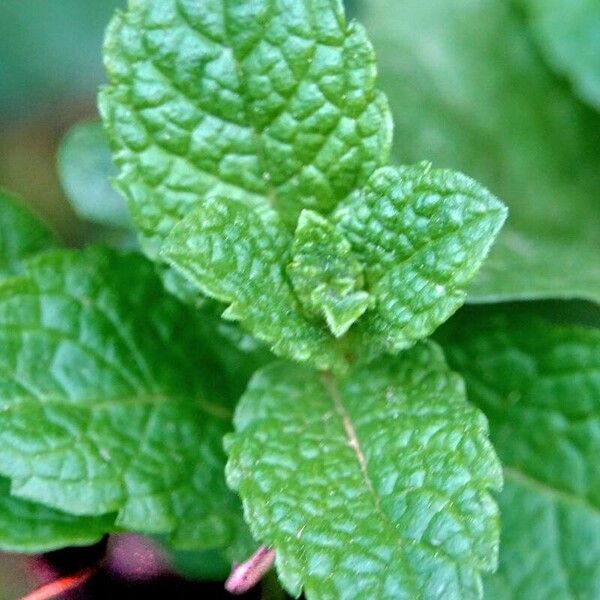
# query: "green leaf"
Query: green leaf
421,234
110,402
272,102
372,486
325,275
568,33
539,384
32,528
85,167
21,235
469,91
237,254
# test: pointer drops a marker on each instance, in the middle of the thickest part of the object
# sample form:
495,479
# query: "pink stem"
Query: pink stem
245,576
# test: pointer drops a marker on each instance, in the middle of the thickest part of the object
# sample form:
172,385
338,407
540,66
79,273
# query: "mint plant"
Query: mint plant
256,379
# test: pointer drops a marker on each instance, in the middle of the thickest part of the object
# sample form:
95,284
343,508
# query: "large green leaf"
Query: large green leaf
29,527
273,102
568,33
373,486
21,235
109,400
469,91
539,384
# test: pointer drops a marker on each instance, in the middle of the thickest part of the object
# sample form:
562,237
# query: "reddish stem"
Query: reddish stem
245,576
62,585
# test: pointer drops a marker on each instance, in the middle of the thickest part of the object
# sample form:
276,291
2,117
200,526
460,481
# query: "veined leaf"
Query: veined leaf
21,235
109,401
33,528
372,486
422,235
539,385
268,101
237,254
419,234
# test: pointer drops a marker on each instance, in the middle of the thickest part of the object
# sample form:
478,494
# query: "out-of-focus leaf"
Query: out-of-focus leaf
568,33
469,91
21,234
50,51
86,168
539,384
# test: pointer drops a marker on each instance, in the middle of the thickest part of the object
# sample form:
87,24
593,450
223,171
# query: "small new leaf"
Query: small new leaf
21,235
325,275
109,400
539,384
421,234
374,486
237,254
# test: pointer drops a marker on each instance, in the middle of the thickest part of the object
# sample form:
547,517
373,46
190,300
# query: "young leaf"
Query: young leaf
32,528
101,410
326,276
85,167
539,384
270,102
237,253
421,234
21,235
373,486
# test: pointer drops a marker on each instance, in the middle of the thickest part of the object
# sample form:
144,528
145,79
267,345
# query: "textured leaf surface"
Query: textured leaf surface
421,234
325,275
375,486
568,33
271,100
101,410
237,253
85,167
469,91
32,528
539,384
21,234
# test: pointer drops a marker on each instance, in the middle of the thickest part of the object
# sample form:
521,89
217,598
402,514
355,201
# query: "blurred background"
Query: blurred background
507,91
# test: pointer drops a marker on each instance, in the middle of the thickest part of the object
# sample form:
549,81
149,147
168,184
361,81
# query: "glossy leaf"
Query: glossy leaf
568,33
109,401
85,167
